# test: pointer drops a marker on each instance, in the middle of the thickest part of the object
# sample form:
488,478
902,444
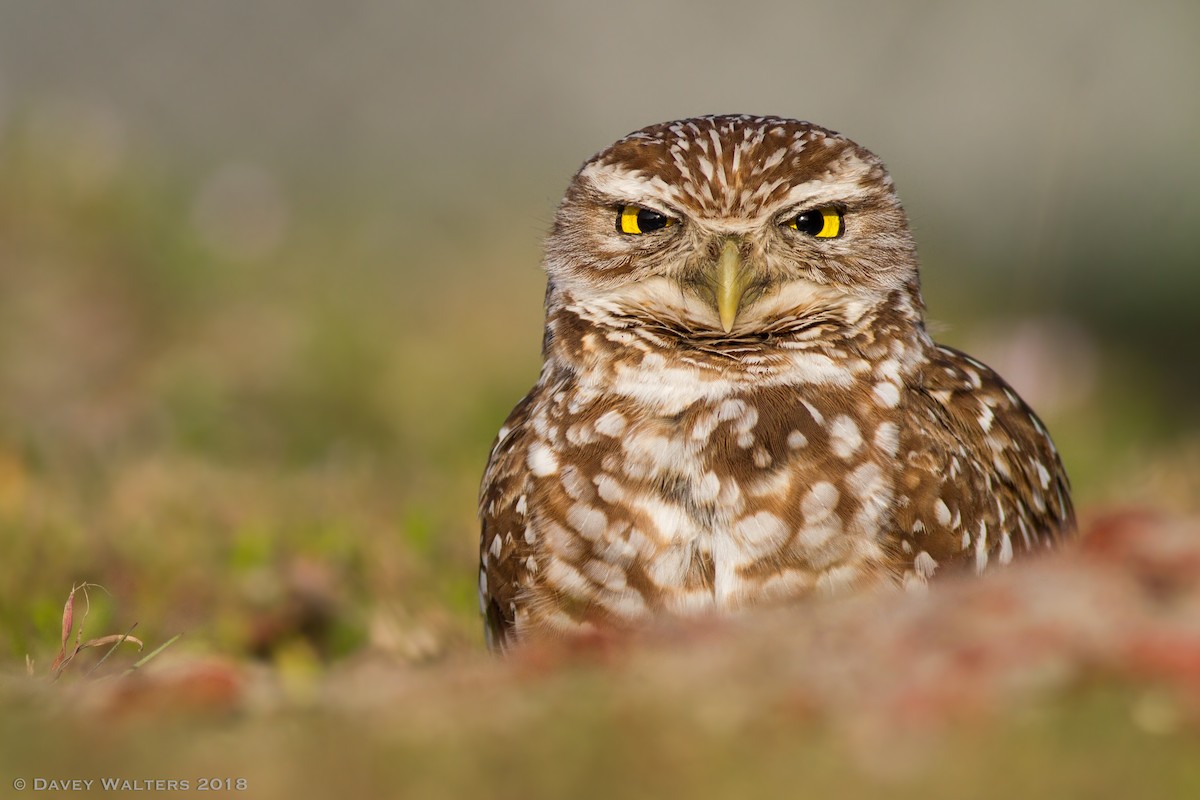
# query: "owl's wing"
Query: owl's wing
502,515
981,473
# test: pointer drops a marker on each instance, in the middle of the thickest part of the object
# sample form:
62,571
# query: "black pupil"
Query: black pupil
650,220
810,222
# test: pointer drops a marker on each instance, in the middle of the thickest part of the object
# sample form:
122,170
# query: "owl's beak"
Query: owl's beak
731,283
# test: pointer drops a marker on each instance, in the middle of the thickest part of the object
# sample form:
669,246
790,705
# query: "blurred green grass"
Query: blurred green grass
181,426
278,454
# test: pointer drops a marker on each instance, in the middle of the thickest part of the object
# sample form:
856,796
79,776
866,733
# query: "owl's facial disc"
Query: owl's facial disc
730,225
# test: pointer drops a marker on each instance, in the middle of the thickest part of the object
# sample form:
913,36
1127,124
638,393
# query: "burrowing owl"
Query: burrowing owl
740,404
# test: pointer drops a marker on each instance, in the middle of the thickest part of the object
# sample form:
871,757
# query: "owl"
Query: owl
739,404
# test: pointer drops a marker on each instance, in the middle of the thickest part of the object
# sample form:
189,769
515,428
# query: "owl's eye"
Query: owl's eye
634,220
823,223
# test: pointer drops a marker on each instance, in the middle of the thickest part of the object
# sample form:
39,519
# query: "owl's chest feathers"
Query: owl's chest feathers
697,485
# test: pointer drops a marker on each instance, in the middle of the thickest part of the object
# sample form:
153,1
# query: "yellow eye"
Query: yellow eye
634,220
823,223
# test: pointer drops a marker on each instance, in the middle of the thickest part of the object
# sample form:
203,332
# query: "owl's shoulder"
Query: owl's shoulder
982,475
974,406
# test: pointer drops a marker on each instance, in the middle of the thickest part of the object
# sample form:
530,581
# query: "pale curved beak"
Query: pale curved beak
731,283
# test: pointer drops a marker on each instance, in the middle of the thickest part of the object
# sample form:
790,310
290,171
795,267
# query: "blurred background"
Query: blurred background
269,274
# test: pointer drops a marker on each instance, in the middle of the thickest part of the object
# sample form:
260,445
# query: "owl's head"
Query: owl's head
730,224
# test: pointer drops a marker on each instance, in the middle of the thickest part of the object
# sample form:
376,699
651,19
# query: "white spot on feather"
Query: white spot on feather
844,437
587,520
819,502
887,438
541,460
611,423
1043,474
760,533
819,369
941,512
887,394
866,480
817,416
1006,549
774,159
567,578
668,519
708,488
609,488
762,459
888,370
575,484
981,552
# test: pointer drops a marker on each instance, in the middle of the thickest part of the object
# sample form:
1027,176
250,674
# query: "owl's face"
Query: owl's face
730,225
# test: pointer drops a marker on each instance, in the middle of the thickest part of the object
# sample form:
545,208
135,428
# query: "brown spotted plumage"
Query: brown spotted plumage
740,404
